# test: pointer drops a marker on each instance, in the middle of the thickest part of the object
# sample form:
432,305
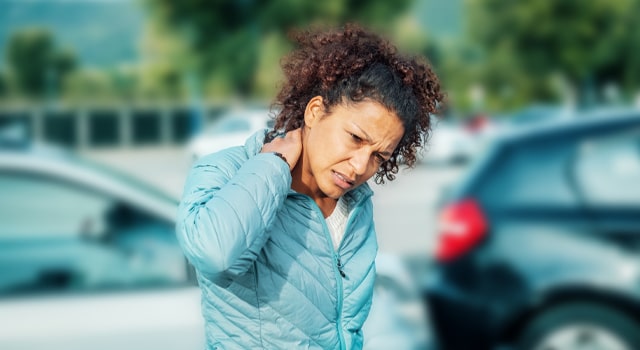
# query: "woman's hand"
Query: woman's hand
290,146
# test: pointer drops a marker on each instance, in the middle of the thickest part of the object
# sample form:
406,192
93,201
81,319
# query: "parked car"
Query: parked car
540,113
89,260
539,246
232,128
457,142
532,116
450,143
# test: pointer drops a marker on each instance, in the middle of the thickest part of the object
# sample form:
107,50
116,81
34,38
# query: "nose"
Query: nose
360,161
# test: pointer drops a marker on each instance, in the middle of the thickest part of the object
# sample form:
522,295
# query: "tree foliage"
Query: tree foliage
36,63
587,43
230,38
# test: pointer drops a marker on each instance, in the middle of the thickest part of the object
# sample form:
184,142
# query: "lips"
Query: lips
342,181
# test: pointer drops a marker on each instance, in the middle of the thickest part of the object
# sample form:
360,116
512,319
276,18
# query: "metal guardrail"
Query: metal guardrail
112,127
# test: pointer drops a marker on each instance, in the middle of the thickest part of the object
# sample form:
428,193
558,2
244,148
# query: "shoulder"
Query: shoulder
229,160
226,159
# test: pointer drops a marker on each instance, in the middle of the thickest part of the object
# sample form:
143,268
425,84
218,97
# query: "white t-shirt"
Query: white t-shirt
337,221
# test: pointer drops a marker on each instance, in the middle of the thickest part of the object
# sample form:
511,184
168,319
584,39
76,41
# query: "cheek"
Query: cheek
335,149
324,151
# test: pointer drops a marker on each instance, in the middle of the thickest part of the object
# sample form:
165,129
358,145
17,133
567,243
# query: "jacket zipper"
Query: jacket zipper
338,263
338,271
339,276
344,275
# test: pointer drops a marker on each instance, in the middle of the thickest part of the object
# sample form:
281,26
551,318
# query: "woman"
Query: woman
281,230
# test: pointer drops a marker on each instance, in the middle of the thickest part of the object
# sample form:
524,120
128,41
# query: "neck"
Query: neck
326,204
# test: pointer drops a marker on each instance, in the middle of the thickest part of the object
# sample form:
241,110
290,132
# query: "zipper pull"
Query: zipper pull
340,269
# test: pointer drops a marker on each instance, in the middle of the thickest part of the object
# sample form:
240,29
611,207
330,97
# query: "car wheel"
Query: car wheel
578,326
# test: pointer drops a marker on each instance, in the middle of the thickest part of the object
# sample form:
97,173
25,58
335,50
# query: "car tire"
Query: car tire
575,325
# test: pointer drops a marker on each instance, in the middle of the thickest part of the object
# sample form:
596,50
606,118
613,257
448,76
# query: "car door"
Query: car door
608,174
80,269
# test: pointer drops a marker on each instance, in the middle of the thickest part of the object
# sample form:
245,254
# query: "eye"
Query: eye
380,159
356,138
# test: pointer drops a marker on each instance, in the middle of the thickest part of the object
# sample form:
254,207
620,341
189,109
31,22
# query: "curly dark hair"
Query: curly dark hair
352,64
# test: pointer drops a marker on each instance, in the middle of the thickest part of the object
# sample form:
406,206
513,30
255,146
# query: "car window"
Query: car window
530,174
608,169
35,208
56,236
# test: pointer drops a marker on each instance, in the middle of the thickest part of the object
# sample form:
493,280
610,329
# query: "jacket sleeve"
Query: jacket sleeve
224,214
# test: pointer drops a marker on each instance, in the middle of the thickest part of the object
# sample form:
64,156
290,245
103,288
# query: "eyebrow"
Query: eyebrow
368,139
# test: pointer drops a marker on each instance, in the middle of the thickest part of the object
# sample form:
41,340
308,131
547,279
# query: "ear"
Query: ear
314,111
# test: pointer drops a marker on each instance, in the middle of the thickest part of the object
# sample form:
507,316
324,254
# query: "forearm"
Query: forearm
223,218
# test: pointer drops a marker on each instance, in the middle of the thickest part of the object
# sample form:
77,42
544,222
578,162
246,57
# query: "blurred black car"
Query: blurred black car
539,246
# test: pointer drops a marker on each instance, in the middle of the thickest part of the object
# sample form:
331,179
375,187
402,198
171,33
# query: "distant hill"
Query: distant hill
102,33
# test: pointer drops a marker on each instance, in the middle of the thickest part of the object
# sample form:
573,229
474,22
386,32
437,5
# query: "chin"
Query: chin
334,192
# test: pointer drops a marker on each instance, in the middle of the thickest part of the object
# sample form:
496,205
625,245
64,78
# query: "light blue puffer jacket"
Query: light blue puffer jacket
269,274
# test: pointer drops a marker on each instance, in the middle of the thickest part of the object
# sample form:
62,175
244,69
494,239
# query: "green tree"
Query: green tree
226,39
35,62
587,43
4,84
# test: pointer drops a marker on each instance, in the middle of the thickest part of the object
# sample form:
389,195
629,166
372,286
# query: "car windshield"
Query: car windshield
126,179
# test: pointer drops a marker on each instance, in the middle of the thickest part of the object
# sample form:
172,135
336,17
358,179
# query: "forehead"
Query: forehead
380,124
370,116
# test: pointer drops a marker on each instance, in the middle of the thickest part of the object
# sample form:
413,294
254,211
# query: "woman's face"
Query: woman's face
344,148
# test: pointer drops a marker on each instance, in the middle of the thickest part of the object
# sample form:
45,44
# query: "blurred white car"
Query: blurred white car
89,260
232,128
449,143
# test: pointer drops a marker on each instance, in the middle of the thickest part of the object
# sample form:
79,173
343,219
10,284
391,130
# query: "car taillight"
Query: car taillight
462,226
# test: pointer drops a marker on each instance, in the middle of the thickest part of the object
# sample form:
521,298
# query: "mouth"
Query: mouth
342,181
